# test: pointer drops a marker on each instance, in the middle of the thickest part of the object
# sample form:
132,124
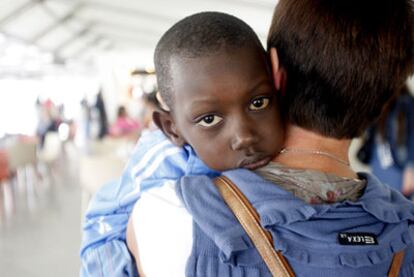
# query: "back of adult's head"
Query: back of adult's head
197,36
343,58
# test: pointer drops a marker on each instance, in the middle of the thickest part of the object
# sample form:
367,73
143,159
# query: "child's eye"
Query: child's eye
259,103
209,120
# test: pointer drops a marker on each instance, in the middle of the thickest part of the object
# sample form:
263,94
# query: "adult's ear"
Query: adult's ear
165,122
278,74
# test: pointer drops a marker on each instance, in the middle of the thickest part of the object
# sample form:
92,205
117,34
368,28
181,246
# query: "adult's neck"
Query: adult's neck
308,142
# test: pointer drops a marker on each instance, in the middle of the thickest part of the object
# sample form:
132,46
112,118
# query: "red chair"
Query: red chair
4,166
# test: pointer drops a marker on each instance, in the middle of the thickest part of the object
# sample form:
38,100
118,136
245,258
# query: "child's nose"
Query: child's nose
243,138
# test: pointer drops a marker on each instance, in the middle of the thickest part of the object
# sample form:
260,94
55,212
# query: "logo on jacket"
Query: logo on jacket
357,239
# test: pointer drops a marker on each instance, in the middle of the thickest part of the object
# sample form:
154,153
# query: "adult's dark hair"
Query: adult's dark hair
343,58
195,36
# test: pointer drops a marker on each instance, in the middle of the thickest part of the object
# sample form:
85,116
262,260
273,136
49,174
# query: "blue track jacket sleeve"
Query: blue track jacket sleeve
154,161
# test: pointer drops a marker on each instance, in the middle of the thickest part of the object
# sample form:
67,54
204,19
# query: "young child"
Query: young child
220,110
214,79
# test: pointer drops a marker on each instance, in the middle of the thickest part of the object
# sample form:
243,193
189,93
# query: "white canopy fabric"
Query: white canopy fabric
72,29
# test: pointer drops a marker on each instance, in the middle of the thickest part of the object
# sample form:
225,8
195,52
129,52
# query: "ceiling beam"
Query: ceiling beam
18,11
129,40
72,39
129,11
69,15
251,4
127,29
83,49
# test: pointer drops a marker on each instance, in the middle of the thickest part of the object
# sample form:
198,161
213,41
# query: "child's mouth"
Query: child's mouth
254,164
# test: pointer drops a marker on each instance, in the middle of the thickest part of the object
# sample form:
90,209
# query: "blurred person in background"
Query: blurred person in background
49,119
389,145
124,125
102,116
86,118
150,105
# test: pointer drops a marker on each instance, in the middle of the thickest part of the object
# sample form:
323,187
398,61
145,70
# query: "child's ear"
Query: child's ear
166,123
278,74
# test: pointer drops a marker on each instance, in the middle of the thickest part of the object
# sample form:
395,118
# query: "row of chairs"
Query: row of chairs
24,152
21,169
32,169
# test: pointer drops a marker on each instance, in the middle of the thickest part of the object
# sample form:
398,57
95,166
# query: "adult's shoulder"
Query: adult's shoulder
250,183
384,202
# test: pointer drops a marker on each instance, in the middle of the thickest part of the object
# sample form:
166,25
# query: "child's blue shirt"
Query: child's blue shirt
154,161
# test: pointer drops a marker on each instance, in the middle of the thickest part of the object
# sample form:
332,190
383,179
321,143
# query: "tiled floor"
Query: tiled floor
41,235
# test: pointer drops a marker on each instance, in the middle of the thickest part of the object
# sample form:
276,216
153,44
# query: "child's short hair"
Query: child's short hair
343,58
195,36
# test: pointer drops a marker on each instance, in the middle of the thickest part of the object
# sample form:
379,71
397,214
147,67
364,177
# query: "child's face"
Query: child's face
225,108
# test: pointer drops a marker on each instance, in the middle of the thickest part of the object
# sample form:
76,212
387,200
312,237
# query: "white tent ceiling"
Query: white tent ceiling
72,29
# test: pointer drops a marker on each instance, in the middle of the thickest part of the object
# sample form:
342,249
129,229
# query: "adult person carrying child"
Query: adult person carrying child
146,169
332,66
